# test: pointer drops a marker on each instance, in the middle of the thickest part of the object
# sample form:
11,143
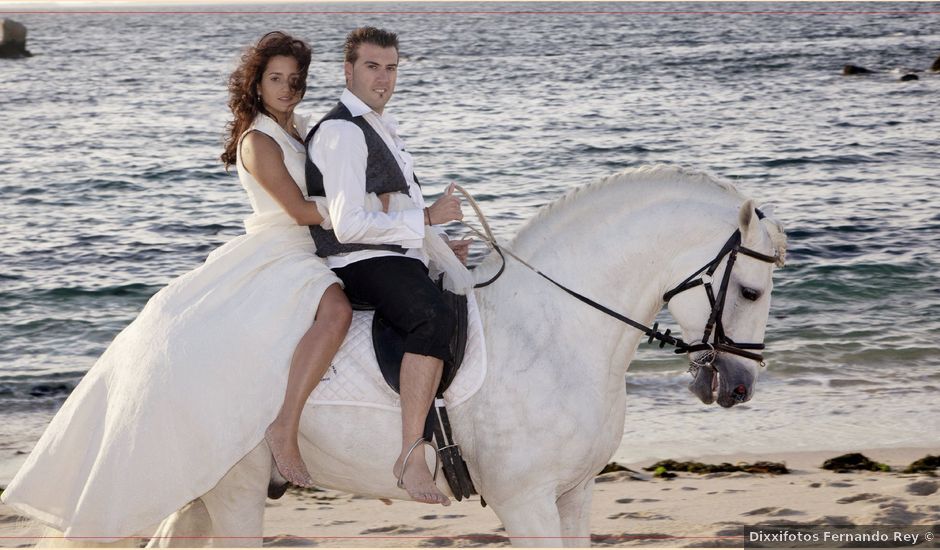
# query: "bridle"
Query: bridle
703,276
714,329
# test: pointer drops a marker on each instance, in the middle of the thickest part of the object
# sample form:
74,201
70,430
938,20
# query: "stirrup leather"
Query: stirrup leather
404,463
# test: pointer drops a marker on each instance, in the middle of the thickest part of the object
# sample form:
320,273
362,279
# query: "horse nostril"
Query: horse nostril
740,392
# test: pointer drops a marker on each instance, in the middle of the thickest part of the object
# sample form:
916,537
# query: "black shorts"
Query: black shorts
399,288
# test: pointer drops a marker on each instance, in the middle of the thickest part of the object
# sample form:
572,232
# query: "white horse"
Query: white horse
550,413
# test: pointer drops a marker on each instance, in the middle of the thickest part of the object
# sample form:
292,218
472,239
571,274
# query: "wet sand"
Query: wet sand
690,510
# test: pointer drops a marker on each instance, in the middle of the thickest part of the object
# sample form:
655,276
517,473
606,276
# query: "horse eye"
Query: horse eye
750,294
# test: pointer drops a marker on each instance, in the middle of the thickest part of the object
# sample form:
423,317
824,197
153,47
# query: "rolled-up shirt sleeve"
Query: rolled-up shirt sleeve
339,151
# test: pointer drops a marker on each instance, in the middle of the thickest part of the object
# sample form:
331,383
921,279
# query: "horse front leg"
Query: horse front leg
236,504
188,527
230,514
531,519
574,509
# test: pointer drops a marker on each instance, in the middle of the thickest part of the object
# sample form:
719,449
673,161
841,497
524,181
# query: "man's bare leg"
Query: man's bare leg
420,376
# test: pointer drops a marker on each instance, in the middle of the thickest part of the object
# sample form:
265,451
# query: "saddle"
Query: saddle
389,346
387,351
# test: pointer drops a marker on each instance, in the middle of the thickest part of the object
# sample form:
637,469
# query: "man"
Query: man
378,216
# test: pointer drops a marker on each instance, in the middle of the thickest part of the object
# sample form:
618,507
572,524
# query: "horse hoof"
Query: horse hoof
277,484
276,490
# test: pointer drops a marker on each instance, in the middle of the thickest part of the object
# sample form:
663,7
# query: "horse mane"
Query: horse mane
646,179
652,181
779,239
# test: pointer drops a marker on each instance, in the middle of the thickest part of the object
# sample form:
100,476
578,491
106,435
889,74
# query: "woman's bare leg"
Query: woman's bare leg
311,359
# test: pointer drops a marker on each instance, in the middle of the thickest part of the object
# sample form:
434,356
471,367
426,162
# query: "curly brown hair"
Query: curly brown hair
244,99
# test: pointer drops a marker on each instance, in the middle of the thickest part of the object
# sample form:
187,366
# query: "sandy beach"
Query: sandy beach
704,510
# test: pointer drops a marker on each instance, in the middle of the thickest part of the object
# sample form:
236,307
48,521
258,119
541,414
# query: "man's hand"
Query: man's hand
461,249
445,209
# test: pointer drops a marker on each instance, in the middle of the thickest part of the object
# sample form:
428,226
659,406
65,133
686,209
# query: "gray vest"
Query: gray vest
383,175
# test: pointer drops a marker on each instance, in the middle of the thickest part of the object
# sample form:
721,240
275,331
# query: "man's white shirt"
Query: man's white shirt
339,150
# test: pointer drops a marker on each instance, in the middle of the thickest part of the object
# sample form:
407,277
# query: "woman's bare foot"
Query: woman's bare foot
287,457
417,479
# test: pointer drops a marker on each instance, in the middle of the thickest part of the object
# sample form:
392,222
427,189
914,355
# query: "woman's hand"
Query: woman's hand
385,198
445,209
461,249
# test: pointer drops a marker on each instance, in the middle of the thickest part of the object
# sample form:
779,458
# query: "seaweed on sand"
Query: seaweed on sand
925,465
762,467
854,461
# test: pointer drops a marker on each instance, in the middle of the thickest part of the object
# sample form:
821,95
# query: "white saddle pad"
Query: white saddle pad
354,377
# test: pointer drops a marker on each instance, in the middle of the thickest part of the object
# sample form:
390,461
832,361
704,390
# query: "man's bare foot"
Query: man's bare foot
287,457
417,479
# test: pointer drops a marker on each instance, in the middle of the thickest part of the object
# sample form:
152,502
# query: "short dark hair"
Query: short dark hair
367,35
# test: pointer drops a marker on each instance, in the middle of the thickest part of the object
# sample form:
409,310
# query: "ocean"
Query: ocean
110,183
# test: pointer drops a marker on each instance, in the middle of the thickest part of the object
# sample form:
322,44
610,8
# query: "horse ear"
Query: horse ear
748,222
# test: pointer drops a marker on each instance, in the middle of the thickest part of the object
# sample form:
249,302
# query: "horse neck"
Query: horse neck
623,258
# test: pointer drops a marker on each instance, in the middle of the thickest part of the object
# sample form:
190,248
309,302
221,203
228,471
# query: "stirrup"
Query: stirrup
404,463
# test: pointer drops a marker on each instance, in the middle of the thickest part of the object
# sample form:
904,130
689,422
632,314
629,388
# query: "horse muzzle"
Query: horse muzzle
725,380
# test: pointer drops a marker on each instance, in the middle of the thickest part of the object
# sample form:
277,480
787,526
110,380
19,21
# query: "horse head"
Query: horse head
729,309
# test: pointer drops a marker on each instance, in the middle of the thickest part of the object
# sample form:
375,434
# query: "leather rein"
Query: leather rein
702,277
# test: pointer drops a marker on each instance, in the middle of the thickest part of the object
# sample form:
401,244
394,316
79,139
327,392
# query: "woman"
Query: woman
264,90
222,357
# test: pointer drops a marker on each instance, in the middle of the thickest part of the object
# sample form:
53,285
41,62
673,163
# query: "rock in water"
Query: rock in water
936,64
12,39
909,77
855,69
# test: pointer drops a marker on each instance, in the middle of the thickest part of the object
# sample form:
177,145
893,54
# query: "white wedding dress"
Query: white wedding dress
188,388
